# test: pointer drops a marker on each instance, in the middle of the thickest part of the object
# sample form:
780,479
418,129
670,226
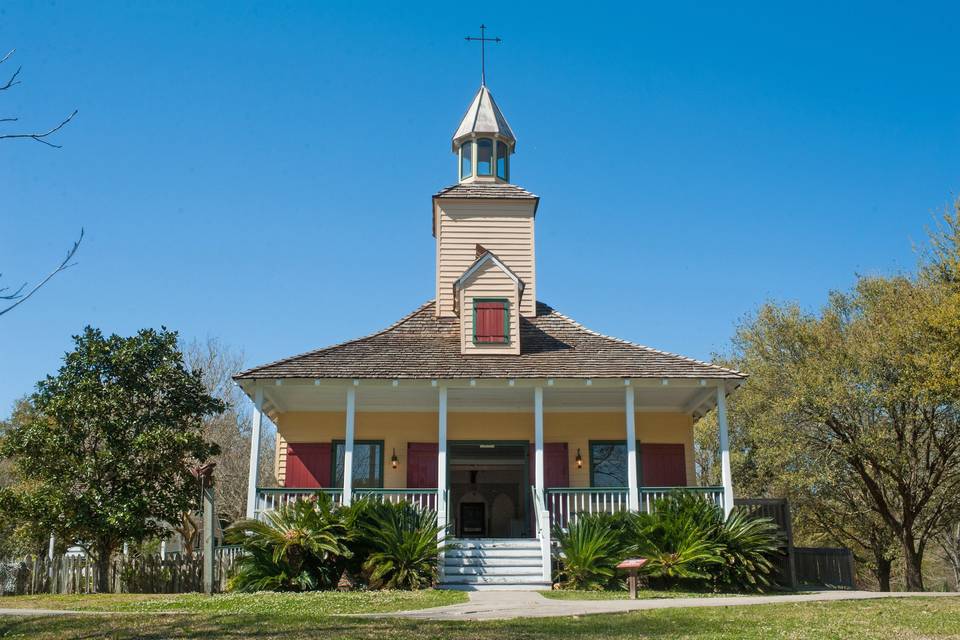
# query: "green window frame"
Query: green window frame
594,462
506,320
336,464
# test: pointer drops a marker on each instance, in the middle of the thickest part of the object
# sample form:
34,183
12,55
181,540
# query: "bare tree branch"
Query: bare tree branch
13,79
39,136
66,264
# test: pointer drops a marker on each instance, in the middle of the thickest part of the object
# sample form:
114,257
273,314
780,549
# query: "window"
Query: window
466,160
367,464
484,157
491,321
503,171
608,463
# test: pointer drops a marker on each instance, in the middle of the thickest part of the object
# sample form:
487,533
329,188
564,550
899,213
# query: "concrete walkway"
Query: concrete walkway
505,605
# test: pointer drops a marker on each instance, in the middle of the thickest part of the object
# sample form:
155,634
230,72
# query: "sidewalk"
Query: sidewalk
505,605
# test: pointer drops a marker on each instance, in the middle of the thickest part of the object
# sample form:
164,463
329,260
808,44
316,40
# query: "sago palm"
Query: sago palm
405,546
748,547
590,549
304,541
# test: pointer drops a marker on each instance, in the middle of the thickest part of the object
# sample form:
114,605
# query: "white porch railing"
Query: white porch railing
271,498
566,503
420,498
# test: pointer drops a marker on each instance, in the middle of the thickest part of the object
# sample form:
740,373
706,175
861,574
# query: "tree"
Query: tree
949,541
231,429
854,412
107,452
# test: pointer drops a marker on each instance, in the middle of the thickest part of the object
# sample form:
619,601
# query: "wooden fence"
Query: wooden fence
825,567
778,510
126,574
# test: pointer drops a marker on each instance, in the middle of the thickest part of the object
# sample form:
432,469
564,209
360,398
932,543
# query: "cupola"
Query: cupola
484,141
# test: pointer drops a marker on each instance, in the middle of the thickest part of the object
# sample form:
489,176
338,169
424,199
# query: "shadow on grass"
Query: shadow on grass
213,627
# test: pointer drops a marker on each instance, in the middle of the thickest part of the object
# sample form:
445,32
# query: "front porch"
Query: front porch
496,459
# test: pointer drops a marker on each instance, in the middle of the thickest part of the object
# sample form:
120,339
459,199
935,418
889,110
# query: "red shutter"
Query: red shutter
556,465
308,465
491,321
422,465
663,465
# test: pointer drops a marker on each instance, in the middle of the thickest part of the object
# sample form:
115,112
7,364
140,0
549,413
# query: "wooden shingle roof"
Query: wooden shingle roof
493,190
423,346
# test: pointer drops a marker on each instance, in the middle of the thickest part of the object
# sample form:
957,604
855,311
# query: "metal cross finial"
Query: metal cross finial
483,40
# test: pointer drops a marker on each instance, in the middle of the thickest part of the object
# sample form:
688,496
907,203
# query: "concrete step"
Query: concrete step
526,578
534,570
494,543
492,553
514,586
524,561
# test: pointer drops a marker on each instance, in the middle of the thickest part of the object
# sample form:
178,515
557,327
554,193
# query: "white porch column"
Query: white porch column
348,446
442,459
542,515
254,451
633,496
538,439
726,475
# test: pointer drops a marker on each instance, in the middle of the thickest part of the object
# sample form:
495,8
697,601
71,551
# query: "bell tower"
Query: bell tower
484,229
484,142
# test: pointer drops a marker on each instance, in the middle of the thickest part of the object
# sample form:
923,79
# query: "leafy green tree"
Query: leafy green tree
107,451
854,411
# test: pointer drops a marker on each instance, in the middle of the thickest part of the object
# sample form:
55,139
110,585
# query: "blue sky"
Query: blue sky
262,172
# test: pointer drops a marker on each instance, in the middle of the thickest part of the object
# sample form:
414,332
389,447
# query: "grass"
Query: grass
312,605
642,594
294,617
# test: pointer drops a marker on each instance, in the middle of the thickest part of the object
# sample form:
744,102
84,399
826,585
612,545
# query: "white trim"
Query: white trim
348,445
460,282
254,468
726,475
632,480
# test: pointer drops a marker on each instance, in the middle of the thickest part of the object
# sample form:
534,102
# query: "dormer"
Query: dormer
484,142
487,298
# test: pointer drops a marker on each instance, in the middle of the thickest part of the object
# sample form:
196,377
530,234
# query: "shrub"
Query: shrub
676,545
688,539
747,547
300,546
404,544
685,541
590,549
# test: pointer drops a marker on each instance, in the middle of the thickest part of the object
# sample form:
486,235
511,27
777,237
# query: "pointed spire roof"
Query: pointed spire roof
484,117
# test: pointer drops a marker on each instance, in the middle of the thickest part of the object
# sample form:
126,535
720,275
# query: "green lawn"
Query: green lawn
313,605
292,617
645,594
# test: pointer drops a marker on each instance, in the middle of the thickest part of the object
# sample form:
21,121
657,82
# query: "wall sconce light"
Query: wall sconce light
579,460
393,459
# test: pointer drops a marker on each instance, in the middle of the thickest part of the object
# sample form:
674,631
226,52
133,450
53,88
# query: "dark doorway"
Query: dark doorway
473,519
489,489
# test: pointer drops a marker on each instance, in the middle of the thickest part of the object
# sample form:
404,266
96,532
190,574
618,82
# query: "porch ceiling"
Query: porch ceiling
694,397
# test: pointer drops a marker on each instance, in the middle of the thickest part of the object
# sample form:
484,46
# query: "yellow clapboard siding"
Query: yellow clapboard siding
504,228
577,429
